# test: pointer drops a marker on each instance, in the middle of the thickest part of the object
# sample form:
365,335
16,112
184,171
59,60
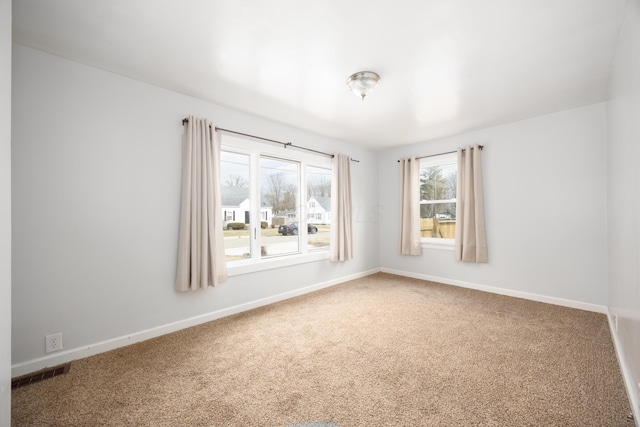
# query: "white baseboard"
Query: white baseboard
501,291
629,384
34,365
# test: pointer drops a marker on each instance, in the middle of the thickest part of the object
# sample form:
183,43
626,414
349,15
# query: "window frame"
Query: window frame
255,150
439,160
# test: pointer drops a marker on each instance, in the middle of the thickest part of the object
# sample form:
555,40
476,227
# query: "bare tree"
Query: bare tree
290,197
433,185
234,180
452,183
273,190
318,186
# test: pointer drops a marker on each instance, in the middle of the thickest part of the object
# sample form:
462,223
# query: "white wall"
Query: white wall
623,158
96,194
5,211
544,186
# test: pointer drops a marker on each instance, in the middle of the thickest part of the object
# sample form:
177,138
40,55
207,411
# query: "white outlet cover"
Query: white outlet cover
53,343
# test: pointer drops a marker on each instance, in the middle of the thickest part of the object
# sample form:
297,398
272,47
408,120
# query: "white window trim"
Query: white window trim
432,242
441,244
244,267
255,149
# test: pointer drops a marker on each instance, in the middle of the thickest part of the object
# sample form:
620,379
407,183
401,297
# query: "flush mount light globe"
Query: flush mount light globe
363,83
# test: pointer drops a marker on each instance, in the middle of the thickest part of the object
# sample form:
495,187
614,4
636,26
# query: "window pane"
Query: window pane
437,220
438,200
279,205
236,205
318,207
438,182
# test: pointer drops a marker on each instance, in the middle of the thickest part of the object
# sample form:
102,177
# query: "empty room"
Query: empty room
319,214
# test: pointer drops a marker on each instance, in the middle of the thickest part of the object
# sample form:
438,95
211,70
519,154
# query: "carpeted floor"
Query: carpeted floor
318,424
379,351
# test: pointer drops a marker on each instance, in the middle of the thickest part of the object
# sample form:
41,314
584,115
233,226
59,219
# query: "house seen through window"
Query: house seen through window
273,206
438,181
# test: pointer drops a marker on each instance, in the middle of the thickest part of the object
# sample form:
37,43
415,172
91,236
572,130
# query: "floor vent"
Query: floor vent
40,375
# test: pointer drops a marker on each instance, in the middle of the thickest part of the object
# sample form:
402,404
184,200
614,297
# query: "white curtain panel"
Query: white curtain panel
471,240
410,207
341,214
201,260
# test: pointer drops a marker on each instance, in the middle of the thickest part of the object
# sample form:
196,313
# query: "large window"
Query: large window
275,207
438,180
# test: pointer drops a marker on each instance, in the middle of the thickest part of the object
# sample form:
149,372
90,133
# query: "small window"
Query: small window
438,182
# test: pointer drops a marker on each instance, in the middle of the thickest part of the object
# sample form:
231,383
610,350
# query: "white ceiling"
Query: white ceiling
446,66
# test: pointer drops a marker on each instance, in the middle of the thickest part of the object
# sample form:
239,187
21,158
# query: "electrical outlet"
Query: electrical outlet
53,342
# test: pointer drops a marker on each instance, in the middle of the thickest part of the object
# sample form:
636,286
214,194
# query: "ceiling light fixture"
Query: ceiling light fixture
363,83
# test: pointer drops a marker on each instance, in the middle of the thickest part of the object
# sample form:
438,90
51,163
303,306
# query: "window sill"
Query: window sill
440,244
241,267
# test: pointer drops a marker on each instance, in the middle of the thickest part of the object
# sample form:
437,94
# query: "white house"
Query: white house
236,206
319,210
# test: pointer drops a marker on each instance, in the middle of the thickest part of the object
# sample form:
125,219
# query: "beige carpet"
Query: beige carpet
378,351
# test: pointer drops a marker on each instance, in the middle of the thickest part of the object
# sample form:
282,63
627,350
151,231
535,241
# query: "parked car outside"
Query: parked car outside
292,228
445,216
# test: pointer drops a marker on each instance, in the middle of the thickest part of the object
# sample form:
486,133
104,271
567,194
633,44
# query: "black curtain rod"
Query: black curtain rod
284,144
442,154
